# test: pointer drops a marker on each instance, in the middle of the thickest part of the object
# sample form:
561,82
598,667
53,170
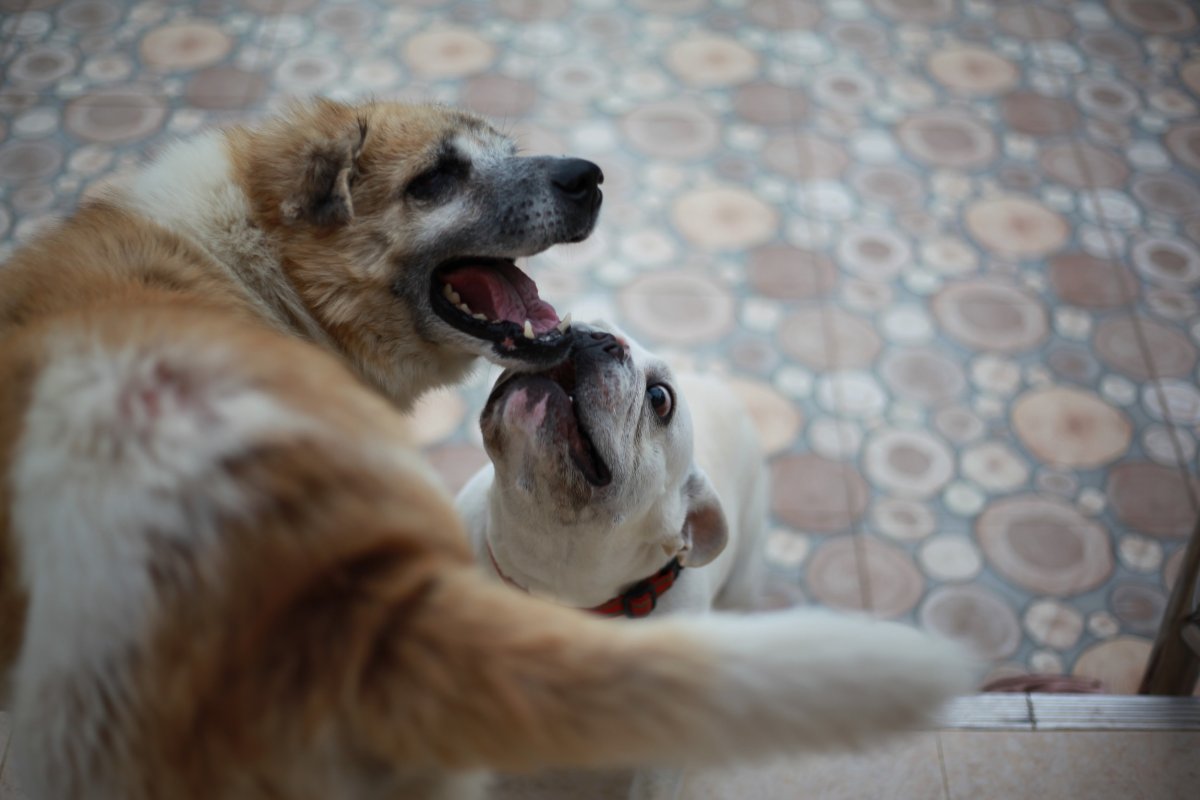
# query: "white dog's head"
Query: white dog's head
594,470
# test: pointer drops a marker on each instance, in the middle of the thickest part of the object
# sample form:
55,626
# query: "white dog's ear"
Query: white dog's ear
705,532
326,171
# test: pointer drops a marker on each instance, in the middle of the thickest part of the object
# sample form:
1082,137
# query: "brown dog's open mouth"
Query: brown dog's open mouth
558,385
492,299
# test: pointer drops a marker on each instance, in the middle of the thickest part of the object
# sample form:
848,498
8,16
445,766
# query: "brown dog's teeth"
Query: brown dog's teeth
451,295
528,329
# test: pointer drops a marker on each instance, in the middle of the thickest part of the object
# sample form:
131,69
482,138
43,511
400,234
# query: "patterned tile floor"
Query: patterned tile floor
948,249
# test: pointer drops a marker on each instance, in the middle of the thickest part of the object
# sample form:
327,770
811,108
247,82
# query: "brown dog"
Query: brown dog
221,573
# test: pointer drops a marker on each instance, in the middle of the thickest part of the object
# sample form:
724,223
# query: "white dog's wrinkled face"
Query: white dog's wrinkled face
602,443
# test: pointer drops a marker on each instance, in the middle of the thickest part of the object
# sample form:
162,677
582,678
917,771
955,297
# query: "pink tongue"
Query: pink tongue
502,292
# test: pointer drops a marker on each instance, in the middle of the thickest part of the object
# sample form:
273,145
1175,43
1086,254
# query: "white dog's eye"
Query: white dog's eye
661,400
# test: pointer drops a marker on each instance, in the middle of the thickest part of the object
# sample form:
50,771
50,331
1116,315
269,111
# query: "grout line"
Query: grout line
942,765
828,331
1131,308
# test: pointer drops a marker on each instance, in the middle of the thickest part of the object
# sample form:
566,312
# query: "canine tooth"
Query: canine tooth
528,329
565,323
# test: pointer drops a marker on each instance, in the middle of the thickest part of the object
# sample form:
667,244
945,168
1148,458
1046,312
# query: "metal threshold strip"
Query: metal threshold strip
1062,712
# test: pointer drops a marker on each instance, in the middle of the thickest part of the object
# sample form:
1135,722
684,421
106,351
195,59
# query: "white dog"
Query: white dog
613,481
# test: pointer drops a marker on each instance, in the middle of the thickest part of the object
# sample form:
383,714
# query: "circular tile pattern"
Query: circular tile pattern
950,558
816,495
1117,663
185,46
41,65
1184,143
873,253
1155,16
1084,280
1044,545
891,186
1070,427
958,425
864,38
1037,115
973,70
775,417
1034,22
114,116
845,90
1016,226
1083,166
769,104
1071,363
711,61
1168,445
498,96
924,375
903,519
1110,45
833,576
88,15
1053,624
1138,607
851,393
990,316
1171,262
789,273
448,53
947,139
672,130
786,15
1173,400
678,307
829,338
910,463
837,439
1116,343
804,156
724,217
223,87
1107,99
916,11
1167,194
27,161
994,466
1151,498
975,616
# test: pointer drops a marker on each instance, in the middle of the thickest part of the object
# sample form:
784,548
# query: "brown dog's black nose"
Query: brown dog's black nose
576,179
592,343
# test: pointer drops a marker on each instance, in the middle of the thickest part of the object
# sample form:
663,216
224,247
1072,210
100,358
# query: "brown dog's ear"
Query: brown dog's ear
322,196
705,531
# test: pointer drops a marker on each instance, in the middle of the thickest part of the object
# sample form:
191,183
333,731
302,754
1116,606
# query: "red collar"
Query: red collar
638,602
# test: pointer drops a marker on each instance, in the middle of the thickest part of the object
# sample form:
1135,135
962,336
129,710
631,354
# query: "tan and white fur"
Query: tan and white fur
679,475
222,572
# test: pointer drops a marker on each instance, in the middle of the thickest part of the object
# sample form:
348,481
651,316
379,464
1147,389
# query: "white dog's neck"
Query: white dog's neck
578,565
190,189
